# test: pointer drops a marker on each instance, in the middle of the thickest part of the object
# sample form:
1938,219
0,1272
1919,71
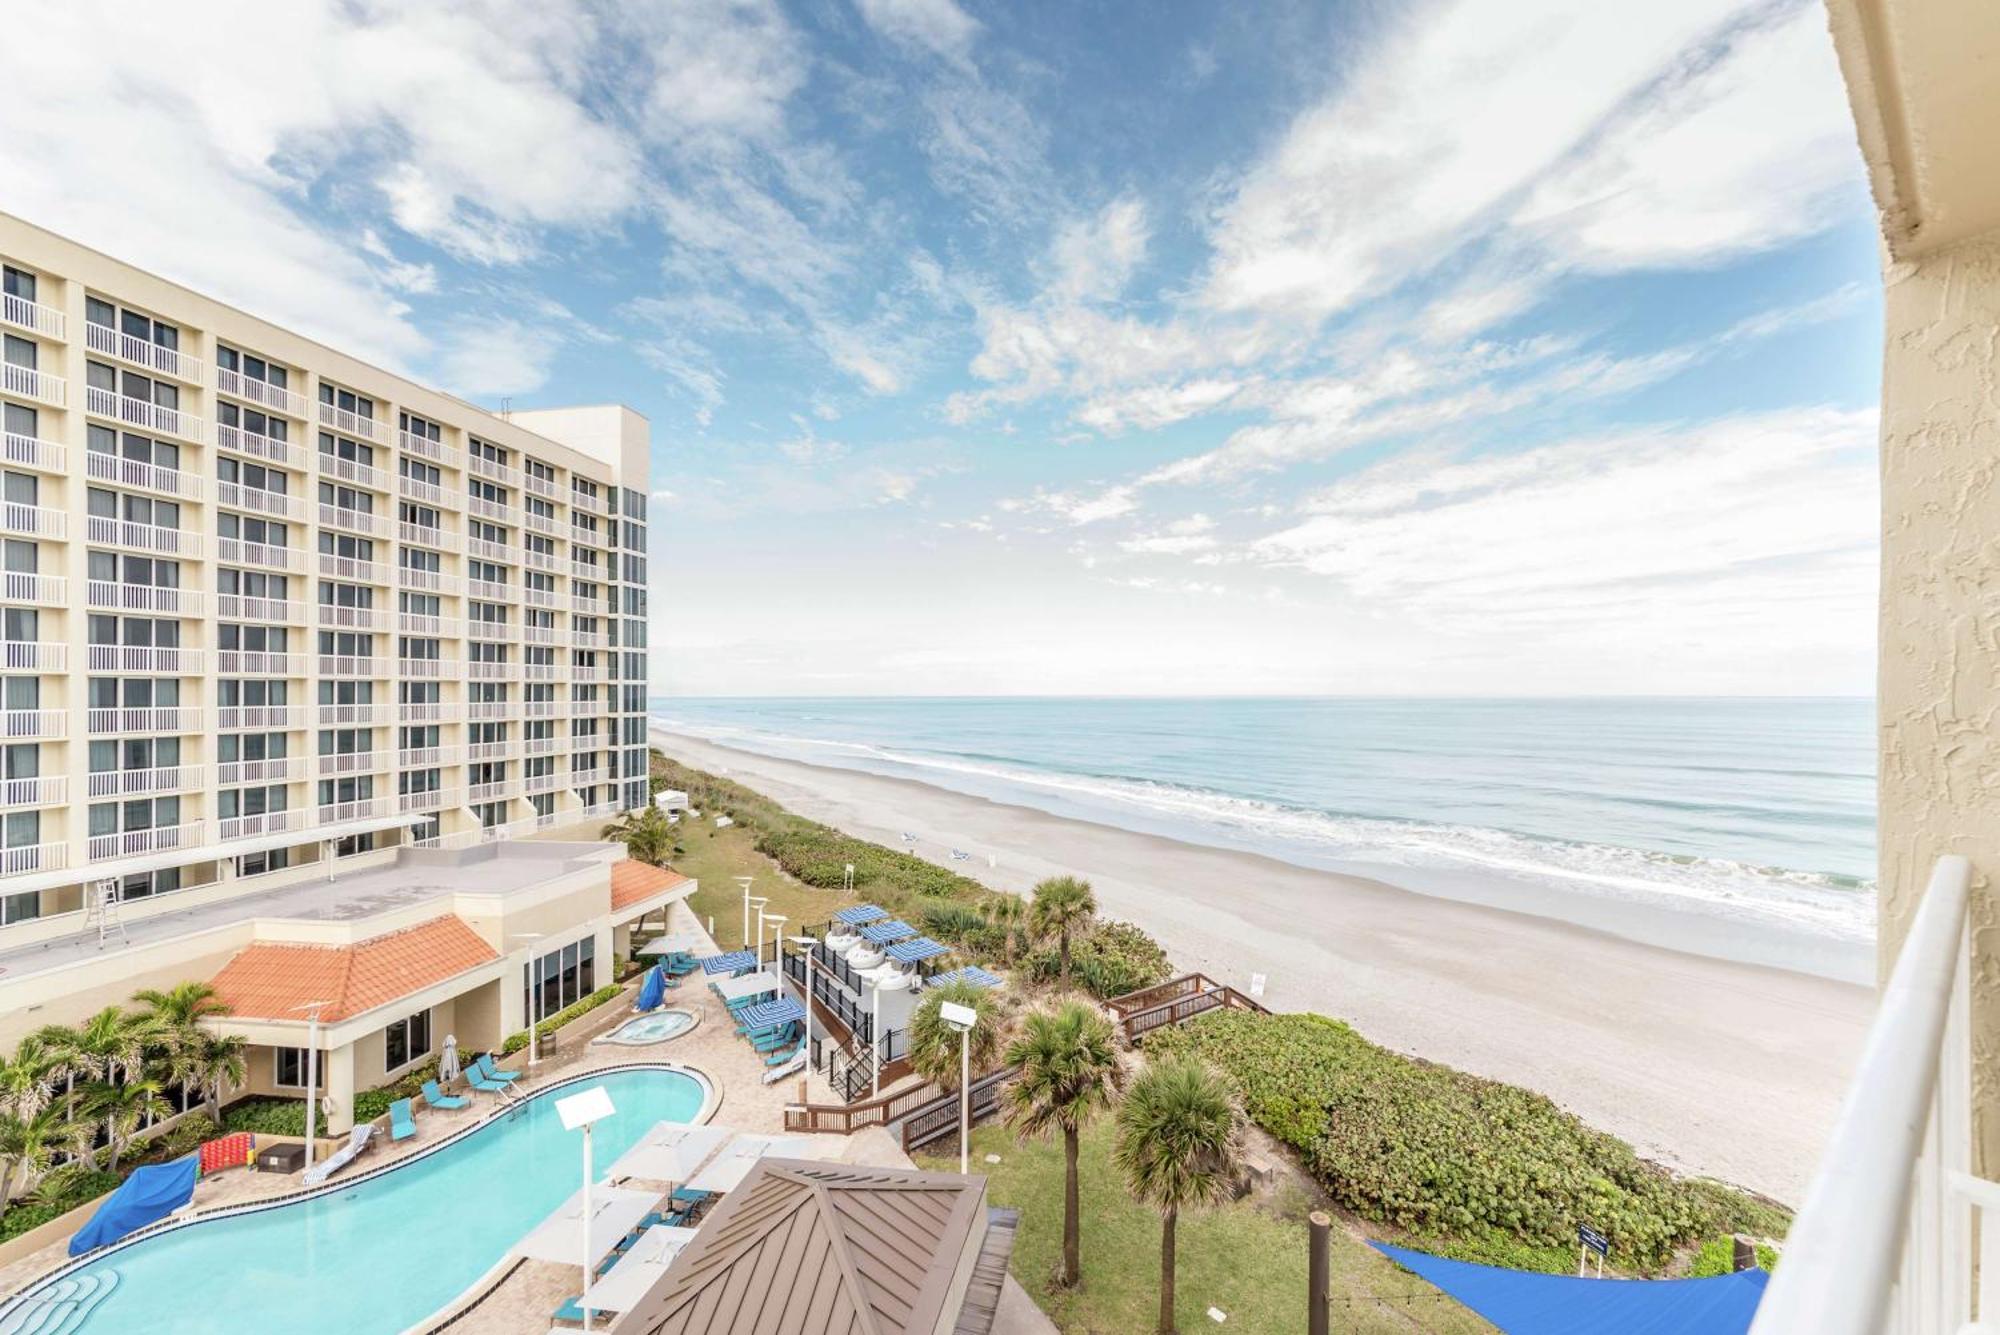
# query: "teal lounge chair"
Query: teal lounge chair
401,1125
437,1098
780,1058
481,1083
571,1310
484,1065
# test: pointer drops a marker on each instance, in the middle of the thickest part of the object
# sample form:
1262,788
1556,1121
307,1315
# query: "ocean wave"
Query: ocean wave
1837,906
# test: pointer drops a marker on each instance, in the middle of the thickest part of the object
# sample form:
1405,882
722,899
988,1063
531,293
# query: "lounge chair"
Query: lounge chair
357,1141
571,1310
481,1083
401,1125
437,1098
484,1063
780,1058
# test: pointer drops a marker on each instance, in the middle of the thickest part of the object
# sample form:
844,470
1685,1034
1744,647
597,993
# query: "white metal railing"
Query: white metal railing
154,660
423,535
157,839
352,665
260,447
159,779
534,597
106,467
542,561
34,521
492,792
421,623
539,523
1884,1242
33,656
583,602
361,808
477,670
22,587
539,708
433,799
542,783
497,511
30,452
480,466
43,790
356,618
478,751
353,423
426,448
540,486
486,590
428,711
412,577
489,709
143,597
242,607
258,392
271,769
264,822
33,384
236,551
259,663
426,668
161,719
355,521
239,497
37,857
485,549
32,316
479,628
232,717
348,470
142,352
142,413
349,567
352,762
586,778
425,757
337,716
145,537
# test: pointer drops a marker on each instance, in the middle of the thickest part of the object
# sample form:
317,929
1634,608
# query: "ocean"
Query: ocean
1759,811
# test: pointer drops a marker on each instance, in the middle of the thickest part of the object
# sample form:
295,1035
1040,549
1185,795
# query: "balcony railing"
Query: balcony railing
1884,1244
486,590
271,769
258,392
348,470
241,607
142,352
259,663
33,521
426,493
480,466
539,709
232,717
414,577
353,423
433,799
426,757
352,665
423,535
30,383
478,628
479,751
29,452
534,597
428,711
144,598
116,468
543,783
587,778
263,822
489,709
542,561
158,839
33,656
157,719
32,316
540,486
235,551
418,623
354,618
267,448
46,590
341,716
144,537
482,671
349,567
426,448
354,521
238,497
360,808
352,762
37,857
153,660
142,414
131,782
45,790
498,512
427,669
484,549
492,792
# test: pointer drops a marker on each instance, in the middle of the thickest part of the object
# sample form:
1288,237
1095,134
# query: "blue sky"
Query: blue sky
1448,347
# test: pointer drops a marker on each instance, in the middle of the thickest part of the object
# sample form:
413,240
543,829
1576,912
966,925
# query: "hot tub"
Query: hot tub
657,1027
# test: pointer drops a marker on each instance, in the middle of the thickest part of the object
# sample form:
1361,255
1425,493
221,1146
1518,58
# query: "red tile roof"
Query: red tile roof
633,881
269,980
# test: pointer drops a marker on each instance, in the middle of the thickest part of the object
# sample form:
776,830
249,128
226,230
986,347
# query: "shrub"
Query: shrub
1717,1256
1109,960
1496,1172
63,1190
268,1115
515,1042
186,1136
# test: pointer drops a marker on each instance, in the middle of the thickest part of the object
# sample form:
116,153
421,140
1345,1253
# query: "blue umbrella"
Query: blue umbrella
654,990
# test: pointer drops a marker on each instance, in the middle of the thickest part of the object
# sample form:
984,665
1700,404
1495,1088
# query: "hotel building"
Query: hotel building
272,615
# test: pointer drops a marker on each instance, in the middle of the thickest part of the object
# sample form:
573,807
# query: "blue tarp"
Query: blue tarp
923,948
152,1192
882,933
1522,1303
971,973
764,1014
859,914
654,990
734,962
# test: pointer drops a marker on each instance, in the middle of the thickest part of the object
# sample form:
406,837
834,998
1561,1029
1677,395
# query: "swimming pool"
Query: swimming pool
655,1028
380,1255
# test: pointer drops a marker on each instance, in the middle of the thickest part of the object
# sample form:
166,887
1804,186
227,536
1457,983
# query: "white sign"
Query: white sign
1257,985
957,1016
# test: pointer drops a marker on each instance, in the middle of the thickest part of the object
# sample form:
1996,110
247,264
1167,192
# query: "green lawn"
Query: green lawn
1242,1258
713,856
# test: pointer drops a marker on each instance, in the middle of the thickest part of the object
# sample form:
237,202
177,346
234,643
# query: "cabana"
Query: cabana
971,973
917,951
768,1014
736,961
749,985
615,1211
882,933
860,915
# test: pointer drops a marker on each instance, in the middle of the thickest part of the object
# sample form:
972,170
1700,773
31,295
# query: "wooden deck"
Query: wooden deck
1175,1001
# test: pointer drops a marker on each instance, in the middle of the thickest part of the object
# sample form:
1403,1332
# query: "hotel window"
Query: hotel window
250,421
20,625
137,571
419,604
486,571
131,385
251,477
20,760
347,692
135,816
133,324
545,547
20,420
131,509
347,643
422,517
288,1068
420,427
138,632
538,582
485,532
359,597
406,1040
346,545
485,614
250,366
491,453
418,471
251,529
536,468
21,352
346,498
340,447
251,584
584,487
418,692
134,754
346,741
251,747
485,734
160,454
347,401
352,789
566,976
418,648
256,864
412,558
258,800
416,782
251,639
486,651
17,283
133,692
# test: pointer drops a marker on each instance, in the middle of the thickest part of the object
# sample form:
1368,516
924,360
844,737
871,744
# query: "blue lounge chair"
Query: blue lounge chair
486,1068
481,1083
781,1057
401,1125
571,1310
437,1098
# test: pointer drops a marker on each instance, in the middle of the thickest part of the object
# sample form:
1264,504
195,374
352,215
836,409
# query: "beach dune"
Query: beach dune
1712,1066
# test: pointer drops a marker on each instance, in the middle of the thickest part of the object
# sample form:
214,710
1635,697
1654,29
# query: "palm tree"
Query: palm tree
1069,1073
937,1050
1180,1146
109,1045
30,1076
121,1107
28,1147
646,834
195,1056
1062,904
179,1011
1006,913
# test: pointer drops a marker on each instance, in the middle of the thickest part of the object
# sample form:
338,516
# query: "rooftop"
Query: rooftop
276,980
634,882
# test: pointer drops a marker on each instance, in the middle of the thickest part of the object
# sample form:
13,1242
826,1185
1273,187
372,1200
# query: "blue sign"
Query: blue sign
1592,1239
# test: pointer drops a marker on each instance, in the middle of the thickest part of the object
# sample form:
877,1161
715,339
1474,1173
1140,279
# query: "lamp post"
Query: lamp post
744,881
875,1041
534,998
806,945
756,943
963,1019
583,1111
312,1069
776,923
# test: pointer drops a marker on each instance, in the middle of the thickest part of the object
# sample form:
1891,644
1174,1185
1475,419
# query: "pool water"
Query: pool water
654,1028
380,1256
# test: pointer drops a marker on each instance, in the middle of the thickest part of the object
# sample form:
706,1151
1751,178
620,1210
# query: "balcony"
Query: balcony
354,521
154,720
415,577
263,395
142,352
498,790
420,535
433,799
426,448
146,416
479,629
534,597
360,808
479,466
33,521
425,493
115,468
29,383
589,639
540,486
532,671
352,665
487,591
588,778
500,750
481,671
417,623
540,709
271,769
497,512
235,551
349,567
132,782
427,669
489,709
587,572
143,537
586,673
278,717
241,607
428,711
586,708
353,424
130,843
147,659
46,790
46,321
238,441
33,656
104,593
354,618
538,634
541,783
347,470
264,822
36,857
542,561
426,757
259,663
544,746
352,762
543,524
28,452
278,504
486,550
342,716
594,605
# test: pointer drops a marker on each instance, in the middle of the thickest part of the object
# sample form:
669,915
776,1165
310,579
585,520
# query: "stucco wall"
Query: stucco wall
1940,632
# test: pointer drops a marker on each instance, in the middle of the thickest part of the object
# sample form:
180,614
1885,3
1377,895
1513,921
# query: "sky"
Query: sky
1453,347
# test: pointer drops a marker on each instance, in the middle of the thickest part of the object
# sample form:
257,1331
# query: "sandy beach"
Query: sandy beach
1713,1066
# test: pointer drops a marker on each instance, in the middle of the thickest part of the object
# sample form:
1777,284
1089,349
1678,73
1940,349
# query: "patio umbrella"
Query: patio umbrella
448,1063
654,990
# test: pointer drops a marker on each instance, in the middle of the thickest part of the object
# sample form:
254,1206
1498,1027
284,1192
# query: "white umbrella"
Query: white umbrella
749,985
628,1282
448,1063
670,1152
726,1171
684,942
614,1213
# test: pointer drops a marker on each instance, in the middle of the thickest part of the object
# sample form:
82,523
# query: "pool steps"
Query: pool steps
64,1308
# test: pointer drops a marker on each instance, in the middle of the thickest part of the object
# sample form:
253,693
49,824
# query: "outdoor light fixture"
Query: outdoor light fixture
964,1019
581,1112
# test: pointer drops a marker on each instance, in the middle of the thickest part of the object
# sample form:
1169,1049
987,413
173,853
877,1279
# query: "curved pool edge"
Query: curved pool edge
605,1039
711,1103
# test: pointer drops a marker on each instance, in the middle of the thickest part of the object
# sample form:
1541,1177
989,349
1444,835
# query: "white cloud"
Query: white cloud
1076,507
937,26
489,358
1183,537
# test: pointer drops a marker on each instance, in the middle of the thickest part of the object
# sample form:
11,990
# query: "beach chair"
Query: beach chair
357,1141
481,1083
437,1098
484,1063
571,1310
401,1125
780,1058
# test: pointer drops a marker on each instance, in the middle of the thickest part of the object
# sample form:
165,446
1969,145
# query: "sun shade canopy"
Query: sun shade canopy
971,973
1522,1303
730,963
859,914
882,933
923,948
762,1014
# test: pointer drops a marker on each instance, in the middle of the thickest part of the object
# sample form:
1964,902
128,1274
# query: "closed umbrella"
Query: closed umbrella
654,990
448,1063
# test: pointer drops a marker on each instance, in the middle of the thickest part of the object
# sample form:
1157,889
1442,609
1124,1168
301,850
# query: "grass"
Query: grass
714,856
1248,1258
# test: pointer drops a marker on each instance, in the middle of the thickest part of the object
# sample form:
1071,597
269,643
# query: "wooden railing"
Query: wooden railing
939,1118
845,1119
1175,1001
